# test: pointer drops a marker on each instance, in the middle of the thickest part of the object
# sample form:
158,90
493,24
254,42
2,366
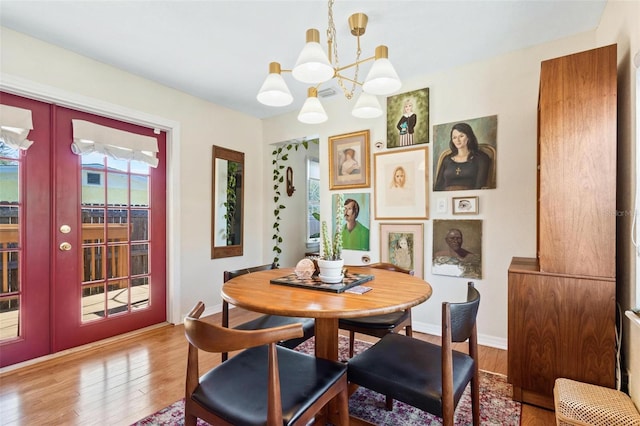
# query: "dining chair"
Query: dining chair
379,325
422,374
266,321
264,383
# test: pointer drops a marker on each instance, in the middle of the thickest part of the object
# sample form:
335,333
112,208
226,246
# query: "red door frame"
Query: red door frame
34,219
68,329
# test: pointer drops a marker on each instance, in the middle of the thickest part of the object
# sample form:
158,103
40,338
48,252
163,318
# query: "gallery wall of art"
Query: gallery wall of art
468,227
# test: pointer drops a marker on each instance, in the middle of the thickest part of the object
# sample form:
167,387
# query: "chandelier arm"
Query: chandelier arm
354,64
348,79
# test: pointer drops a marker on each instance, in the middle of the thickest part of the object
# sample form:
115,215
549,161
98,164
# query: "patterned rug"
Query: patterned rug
496,405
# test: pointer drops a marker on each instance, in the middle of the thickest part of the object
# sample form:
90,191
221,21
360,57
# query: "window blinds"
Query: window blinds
15,125
89,137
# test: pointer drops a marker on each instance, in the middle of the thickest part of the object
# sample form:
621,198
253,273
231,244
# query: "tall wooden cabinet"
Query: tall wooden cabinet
562,304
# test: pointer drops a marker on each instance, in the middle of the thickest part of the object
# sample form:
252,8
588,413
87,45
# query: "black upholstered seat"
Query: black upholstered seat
265,381
422,374
266,321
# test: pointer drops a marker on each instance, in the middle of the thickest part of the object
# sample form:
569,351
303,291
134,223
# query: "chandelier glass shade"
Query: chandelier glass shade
312,111
274,90
314,66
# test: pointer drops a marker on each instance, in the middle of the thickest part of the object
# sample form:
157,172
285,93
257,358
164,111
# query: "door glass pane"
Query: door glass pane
117,260
92,265
121,165
93,302
92,187
139,259
92,226
118,228
9,181
140,293
118,298
139,225
139,167
118,189
93,160
140,191
10,250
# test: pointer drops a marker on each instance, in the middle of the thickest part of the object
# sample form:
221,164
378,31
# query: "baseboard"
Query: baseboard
483,339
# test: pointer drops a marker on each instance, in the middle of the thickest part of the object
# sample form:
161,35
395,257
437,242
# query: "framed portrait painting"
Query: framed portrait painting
401,186
408,119
457,248
349,160
403,245
464,154
357,220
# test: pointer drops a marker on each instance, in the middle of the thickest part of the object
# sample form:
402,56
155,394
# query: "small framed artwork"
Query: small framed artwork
408,119
401,184
465,205
403,246
349,160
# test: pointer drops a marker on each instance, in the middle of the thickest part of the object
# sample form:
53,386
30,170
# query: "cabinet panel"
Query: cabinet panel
559,326
577,164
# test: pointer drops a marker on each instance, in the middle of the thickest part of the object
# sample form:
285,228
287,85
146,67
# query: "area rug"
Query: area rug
496,405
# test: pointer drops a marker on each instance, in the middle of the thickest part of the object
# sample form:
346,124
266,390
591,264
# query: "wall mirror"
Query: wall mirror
227,209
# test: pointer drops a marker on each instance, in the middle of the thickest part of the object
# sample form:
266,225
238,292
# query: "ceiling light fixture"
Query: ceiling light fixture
315,67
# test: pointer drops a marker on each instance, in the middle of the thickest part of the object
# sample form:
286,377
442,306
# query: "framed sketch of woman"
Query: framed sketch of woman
401,184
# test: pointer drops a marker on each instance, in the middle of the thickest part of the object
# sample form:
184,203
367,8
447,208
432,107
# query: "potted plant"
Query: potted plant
331,262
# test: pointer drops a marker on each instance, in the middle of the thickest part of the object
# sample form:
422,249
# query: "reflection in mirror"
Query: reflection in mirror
313,201
227,203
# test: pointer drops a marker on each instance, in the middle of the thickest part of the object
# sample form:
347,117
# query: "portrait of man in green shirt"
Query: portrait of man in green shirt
355,236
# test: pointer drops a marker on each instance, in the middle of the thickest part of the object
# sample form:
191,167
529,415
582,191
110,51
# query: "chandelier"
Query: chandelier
315,67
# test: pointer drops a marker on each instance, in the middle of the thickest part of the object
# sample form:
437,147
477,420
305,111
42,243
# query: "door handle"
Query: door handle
65,246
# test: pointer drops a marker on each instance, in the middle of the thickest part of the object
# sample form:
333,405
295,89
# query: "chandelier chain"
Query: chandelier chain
333,41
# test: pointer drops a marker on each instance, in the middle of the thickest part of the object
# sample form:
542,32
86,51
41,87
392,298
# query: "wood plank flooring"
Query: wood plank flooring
123,380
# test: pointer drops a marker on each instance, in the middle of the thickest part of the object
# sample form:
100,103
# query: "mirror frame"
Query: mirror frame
238,157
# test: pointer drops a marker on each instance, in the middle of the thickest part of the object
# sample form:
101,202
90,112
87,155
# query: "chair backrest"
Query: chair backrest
227,275
214,338
487,149
232,274
463,315
391,267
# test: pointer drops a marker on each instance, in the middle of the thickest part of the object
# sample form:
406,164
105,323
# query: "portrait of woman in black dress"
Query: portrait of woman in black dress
467,166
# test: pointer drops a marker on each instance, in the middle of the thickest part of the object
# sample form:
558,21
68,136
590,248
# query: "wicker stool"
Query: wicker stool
579,403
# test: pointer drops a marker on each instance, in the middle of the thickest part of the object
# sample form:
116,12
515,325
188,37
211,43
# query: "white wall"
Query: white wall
507,86
27,62
621,24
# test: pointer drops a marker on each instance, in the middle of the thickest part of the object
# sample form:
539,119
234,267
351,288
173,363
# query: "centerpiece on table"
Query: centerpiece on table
331,262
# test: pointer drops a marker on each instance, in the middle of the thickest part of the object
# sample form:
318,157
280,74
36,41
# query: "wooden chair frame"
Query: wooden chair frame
212,338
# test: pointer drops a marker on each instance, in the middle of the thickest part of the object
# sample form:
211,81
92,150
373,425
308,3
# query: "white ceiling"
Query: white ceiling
219,50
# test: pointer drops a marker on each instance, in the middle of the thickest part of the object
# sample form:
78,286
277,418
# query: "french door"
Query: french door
88,260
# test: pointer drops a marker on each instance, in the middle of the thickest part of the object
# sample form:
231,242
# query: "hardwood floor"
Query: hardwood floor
122,381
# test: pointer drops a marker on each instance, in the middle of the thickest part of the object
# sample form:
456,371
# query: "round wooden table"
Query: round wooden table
392,291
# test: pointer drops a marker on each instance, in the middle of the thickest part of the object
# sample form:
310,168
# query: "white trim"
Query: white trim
635,318
30,89
483,339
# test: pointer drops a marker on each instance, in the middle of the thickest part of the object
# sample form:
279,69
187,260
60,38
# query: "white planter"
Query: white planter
330,270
